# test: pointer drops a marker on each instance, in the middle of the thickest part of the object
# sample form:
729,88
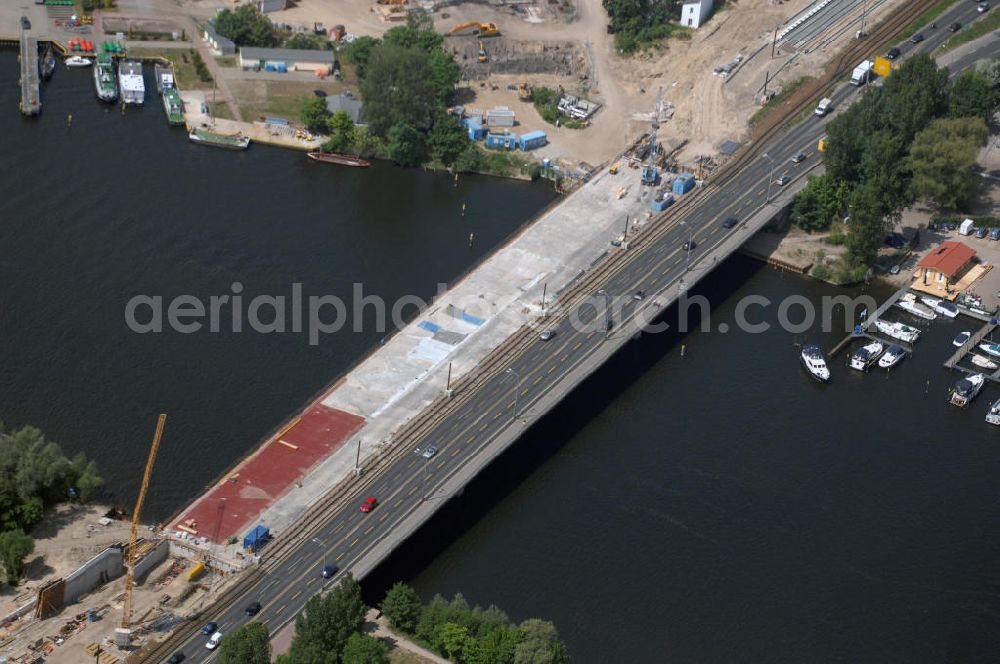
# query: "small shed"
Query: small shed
256,538
217,42
695,12
475,129
501,116
346,102
684,183
286,59
946,264
505,140
533,139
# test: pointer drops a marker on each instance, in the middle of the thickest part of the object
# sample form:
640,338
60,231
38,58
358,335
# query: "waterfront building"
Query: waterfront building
219,44
286,59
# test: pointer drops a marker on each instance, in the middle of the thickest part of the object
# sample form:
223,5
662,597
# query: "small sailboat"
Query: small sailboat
943,307
896,330
993,417
892,357
966,390
984,362
960,340
814,362
909,303
863,358
991,349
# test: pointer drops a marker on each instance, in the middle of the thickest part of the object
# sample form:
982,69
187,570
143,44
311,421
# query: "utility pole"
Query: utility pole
625,234
517,389
774,42
770,177
608,318
447,385
357,461
690,248
545,289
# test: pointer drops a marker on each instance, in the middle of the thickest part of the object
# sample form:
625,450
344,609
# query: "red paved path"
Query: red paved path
268,473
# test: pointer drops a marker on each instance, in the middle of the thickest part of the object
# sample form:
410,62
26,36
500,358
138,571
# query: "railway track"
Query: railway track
407,437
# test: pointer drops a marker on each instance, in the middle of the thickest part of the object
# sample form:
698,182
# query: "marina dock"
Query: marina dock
866,323
970,346
31,98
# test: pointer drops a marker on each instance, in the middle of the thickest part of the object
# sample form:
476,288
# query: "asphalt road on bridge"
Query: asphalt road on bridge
348,535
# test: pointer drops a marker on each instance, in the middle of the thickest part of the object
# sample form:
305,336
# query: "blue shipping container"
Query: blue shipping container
256,538
684,183
475,128
507,141
533,139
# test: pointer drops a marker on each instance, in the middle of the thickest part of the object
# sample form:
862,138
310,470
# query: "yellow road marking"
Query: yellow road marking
497,414
412,491
578,344
589,336
551,369
370,529
441,465
564,357
483,428
337,559
351,547
398,503
297,593
537,380
383,517
455,451
282,608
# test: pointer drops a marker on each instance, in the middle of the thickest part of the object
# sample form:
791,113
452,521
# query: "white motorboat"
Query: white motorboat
78,61
909,303
943,307
898,330
892,357
966,390
983,362
960,340
993,417
814,362
991,349
863,358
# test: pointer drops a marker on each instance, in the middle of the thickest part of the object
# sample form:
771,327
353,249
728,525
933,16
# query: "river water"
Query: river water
697,500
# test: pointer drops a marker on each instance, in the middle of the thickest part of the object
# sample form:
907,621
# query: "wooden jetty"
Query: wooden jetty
970,346
866,323
31,98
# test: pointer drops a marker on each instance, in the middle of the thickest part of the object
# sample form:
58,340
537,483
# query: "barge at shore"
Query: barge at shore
225,141
339,159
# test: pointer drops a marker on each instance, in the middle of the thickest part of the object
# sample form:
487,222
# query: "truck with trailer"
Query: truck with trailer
862,73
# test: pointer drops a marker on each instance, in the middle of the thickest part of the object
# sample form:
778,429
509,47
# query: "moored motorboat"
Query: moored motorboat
892,357
47,64
983,362
225,141
173,106
814,362
961,339
909,303
77,61
992,349
943,307
966,389
105,84
339,159
133,88
993,416
898,330
863,358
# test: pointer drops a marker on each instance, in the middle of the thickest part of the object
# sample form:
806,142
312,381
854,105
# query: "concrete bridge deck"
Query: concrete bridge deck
31,95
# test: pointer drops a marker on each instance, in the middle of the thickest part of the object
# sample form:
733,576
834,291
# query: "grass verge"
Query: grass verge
185,75
927,17
775,101
984,26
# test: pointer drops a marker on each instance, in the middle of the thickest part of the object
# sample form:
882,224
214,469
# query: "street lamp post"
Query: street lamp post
770,177
608,319
687,253
517,389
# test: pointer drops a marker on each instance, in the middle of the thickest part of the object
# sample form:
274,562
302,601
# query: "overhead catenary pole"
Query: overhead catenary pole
517,389
545,288
775,41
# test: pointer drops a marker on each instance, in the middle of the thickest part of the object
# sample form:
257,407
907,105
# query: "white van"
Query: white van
824,105
213,642
966,228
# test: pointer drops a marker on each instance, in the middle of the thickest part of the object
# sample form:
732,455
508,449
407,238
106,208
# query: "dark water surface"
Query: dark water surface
119,206
715,507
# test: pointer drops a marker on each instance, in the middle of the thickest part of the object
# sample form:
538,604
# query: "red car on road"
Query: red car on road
370,503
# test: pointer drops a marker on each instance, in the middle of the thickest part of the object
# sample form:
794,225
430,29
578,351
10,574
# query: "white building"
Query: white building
695,12
286,59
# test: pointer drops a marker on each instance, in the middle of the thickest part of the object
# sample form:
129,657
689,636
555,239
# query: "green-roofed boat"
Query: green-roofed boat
225,141
173,106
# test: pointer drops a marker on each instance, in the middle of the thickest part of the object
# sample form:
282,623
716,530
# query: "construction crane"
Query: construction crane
650,176
124,632
481,29
482,52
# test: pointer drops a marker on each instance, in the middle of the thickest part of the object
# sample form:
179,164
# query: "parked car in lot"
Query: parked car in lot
893,53
995,234
981,232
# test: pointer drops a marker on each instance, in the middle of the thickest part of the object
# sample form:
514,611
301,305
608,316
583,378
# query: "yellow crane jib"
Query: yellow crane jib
131,552
481,29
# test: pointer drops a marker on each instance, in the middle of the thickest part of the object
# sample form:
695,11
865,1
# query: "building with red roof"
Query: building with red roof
946,264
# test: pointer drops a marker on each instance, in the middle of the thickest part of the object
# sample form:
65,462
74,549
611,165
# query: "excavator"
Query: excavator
524,91
481,29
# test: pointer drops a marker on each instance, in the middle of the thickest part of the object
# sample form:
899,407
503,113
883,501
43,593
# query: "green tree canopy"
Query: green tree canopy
359,53
247,644
402,606
447,139
15,546
942,157
314,114
323,628
973,95
246,26
364,649
307,41
397,88
453,641
990,68
540,644
869,221
341,129
405,144
819,204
